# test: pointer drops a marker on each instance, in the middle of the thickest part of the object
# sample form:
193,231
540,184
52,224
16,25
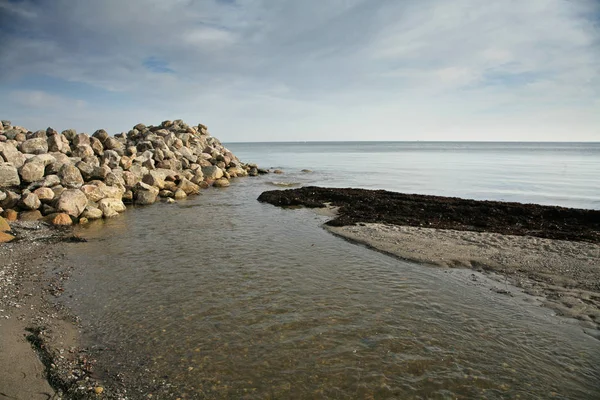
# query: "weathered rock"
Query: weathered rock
2,195
47,209
81,139
62,219
5,237
212,172
51,180
110,207
83,151
32,171
69,134
127,197
223,182
125,163
100,172
91,213
111,158
72,202
113,144
101,135
179,194
144,194
87,170
34,215
44,159
34,146
56,143
44,194
4,226
10,200
70,176
188,187
30,201
9,153
10,215
9,176
97,146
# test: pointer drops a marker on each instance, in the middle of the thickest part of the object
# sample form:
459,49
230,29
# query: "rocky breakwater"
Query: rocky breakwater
72,177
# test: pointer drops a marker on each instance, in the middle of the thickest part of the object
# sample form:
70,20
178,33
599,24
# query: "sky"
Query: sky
290,70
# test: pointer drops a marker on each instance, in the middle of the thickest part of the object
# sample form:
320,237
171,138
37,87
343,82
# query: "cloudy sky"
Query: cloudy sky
263,70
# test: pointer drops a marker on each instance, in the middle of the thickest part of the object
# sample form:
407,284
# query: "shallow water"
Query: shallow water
221,296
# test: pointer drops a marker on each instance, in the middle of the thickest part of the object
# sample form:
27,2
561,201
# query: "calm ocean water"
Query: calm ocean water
566,174
220,296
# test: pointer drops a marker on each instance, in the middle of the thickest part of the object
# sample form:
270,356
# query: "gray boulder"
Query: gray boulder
30,201
10,154
72,202
9,176
35,146
70,176
44,194
91,212
213,173
110,207
144,194
32,171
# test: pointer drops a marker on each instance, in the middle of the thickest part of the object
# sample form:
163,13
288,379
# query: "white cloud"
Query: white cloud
427,64
37,99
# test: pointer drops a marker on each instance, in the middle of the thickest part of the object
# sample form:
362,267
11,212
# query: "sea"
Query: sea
564,174
220,296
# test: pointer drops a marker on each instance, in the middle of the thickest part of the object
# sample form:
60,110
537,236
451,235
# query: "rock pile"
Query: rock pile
52,174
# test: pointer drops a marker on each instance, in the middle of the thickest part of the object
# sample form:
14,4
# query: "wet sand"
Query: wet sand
39,341
565,273
553,252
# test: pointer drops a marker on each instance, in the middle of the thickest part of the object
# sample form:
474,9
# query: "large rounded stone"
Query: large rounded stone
62,219
32,172
213,173
9,176
70,176
9,153
188,187
30,201
4,227
144,194
223,182
91,212
35,146
110,207
44,194
72,202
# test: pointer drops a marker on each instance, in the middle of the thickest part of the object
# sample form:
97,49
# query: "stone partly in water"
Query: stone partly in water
223,182
62,219
144,194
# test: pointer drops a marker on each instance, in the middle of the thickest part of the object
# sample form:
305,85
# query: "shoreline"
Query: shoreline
39,339
541,263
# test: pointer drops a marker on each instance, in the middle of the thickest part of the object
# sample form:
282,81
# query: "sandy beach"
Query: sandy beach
39,340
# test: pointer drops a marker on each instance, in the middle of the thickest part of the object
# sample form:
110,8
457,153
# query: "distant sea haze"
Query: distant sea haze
564,174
